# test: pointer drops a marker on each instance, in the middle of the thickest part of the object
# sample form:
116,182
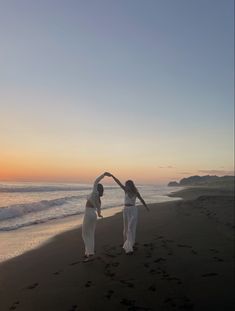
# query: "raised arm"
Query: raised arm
98,179
118,182
142,201
94,199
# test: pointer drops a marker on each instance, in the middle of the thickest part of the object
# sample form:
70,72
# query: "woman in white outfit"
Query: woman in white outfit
130,213
93,207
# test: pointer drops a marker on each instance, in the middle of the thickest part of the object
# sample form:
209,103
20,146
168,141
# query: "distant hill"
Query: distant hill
207,180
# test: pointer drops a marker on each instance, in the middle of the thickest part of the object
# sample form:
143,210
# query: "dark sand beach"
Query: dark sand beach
184,259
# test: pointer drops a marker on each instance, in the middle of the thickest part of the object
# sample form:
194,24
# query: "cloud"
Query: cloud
169,166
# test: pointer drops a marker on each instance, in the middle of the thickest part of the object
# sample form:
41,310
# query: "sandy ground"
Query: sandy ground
184,259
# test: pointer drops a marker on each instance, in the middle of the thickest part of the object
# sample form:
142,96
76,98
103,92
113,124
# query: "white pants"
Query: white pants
130,215
88,230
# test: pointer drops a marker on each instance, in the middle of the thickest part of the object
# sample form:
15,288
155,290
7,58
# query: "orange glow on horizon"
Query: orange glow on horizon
18,169
51,169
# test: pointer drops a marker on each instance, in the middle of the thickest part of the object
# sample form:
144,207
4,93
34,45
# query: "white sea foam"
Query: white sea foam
38,187
17,210
31,213
30,203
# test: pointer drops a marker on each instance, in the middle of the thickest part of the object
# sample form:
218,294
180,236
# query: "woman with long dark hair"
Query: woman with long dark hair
93,208
130,213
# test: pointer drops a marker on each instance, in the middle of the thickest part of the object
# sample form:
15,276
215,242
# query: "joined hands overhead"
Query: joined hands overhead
108,174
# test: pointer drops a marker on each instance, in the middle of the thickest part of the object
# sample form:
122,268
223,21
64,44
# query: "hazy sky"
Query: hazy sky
141,88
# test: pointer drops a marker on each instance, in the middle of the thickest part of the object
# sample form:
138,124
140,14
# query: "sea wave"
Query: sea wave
42,189
15,226
47,188
34,222
18,210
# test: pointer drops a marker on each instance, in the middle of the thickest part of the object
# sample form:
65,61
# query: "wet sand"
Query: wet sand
184,259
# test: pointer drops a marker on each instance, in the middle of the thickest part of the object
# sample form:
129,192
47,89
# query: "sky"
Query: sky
143,89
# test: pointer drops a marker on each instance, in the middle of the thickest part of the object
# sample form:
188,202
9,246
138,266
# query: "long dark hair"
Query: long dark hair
130,187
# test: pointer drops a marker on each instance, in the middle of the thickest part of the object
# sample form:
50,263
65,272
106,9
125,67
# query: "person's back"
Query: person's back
130,198
130,213
93,207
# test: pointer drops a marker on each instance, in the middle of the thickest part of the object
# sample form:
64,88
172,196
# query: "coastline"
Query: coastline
26,238
38,235
183,260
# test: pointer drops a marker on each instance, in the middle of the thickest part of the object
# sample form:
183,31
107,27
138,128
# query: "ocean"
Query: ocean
31,213
27,204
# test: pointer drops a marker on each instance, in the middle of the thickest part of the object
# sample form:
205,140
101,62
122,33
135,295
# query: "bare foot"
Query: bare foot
88,258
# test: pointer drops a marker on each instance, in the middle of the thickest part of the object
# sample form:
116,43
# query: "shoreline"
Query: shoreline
40,234
183,259
33,236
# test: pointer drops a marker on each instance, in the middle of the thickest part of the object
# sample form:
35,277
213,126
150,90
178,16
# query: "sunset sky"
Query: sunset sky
141,88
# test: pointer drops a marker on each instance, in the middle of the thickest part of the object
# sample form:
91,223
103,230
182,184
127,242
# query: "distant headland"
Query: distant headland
207,180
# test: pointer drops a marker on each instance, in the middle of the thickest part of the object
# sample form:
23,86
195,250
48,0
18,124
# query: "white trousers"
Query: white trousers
130,216
88,230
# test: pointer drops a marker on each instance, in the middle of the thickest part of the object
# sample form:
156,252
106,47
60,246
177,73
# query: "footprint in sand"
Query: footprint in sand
170,301
88,284
218,259
32,286
165,276
113,255
213,250
159,259
57,272
209,274
149,245
180,302
74,263
152,288
127,283
73,308
136,245
112,251
108,272
115,264
109,293
172,278
132,306
127,302
184,245
14,305
152,271
110,255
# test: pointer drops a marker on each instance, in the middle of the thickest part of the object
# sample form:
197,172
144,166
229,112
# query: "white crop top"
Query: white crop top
130,200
